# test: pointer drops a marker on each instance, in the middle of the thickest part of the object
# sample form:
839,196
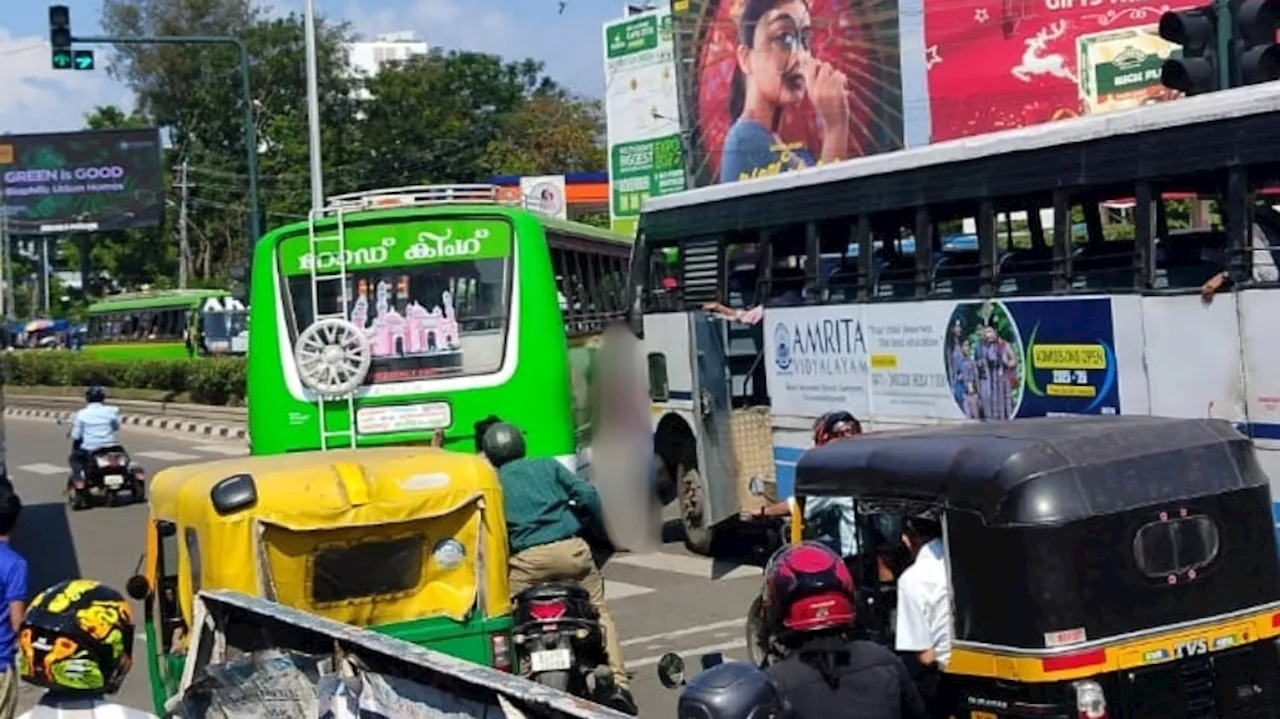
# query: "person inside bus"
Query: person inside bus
923,628
777,70
1263,263
543,502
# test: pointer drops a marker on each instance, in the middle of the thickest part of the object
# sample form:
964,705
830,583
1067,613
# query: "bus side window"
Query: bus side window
662,291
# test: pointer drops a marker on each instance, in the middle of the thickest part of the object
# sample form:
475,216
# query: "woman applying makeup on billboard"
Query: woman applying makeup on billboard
776,69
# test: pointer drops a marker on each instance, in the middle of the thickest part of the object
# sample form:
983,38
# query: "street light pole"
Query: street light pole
246,91
313,111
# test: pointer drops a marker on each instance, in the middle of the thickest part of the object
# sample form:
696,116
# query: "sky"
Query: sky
36,98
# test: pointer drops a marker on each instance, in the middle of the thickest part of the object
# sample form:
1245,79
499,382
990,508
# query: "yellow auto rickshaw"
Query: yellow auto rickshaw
1100,567
409,541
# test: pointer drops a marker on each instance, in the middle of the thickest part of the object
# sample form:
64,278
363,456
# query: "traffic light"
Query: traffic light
60,37
1195,70
1256,54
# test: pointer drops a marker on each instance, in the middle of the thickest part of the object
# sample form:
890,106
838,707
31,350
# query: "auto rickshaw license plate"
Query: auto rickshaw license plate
551,660
114,481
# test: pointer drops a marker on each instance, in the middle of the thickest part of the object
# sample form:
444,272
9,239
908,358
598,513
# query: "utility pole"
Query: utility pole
184,250
47,278
6,298
313,110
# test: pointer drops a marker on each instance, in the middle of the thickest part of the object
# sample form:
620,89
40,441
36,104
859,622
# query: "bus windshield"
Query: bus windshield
432,296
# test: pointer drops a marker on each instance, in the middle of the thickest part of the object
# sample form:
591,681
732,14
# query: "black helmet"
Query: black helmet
96,393
77,636
733,690
503,443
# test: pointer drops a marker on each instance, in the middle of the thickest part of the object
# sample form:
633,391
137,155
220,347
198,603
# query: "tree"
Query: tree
434,117
550,133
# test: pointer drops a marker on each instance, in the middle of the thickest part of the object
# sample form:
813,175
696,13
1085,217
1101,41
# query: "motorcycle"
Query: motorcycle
105,473
559,643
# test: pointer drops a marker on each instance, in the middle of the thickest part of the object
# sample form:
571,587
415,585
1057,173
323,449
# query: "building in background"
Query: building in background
370,56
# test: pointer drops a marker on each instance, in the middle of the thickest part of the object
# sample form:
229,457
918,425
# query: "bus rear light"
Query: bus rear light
501,648
1076,660
1091,702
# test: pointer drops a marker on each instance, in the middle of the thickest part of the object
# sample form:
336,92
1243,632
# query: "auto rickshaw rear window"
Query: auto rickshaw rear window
366,570
1173,547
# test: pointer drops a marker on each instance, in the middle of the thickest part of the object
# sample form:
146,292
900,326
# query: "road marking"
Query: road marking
614,591
692,652
45,468
727,624
231,450
166,456
714,570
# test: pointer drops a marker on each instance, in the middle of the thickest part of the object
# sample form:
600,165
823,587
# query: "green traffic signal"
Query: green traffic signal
83,59
62,60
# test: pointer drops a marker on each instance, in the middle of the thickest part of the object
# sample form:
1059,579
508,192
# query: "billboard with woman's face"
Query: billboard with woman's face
781,85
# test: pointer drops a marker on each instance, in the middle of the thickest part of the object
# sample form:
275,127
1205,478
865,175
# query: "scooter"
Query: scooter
559,643
105,473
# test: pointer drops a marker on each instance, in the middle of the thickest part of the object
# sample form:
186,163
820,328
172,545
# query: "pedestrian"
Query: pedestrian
923,629
545,532
826,673
13,584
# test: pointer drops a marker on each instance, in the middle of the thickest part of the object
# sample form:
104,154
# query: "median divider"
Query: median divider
204,420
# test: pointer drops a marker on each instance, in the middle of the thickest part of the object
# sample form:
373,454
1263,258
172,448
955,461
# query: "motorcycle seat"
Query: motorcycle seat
554,590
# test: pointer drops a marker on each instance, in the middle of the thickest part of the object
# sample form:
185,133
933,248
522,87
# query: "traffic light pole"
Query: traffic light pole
246,89
1223,10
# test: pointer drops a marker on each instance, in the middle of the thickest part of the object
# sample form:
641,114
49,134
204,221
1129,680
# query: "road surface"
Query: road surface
665,601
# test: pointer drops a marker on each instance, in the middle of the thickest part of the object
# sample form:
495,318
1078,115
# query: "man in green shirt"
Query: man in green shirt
544,530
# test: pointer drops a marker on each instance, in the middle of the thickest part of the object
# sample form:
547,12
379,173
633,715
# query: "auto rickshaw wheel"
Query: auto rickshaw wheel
698,536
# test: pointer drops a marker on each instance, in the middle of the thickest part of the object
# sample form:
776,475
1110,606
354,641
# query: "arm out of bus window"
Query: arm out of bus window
579,491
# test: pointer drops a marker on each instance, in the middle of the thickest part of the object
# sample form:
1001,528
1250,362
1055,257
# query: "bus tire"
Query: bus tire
698,535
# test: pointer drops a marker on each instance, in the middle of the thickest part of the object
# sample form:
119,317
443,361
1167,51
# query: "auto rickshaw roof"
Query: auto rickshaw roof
336,488
1038,471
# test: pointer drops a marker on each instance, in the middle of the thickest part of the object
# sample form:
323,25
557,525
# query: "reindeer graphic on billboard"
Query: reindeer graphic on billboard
1034,62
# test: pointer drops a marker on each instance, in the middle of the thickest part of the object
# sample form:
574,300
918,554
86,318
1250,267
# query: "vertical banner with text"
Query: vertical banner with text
646,152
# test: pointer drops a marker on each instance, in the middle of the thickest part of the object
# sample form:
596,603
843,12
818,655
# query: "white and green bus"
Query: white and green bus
395,313
1091,304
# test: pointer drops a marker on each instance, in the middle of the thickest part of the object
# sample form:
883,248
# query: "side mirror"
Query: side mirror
671,670
756,486
138,587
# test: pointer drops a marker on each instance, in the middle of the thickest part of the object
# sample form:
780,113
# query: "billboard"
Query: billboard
646,150
82,181
1042,61
779,85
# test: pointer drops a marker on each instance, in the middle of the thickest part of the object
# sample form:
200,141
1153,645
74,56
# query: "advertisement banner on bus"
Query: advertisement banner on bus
780,85
984,360
82,181
1039,62
642,109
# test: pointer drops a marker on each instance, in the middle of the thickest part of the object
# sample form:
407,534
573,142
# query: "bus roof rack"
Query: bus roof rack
413,196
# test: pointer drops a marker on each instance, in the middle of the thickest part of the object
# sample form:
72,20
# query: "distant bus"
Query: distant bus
395,313
161,324
874,304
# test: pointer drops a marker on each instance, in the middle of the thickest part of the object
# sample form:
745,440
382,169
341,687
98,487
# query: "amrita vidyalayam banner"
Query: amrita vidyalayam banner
781,85
944,360
995,64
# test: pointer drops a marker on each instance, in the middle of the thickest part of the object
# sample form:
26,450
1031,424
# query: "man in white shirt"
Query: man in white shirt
924,597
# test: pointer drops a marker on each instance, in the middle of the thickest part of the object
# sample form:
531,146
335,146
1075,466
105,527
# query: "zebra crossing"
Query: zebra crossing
627,576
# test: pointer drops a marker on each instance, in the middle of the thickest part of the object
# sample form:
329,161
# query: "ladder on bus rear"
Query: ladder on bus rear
336,246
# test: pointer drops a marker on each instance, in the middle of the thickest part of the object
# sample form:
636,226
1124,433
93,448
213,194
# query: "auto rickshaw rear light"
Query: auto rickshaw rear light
501,652
1076,660
1091,702
1275,620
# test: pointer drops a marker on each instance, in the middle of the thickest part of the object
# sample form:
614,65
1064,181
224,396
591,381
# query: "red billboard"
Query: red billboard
780,85
999,64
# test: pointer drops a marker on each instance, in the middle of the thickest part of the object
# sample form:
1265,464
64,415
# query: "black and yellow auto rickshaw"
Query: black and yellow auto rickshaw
1119,567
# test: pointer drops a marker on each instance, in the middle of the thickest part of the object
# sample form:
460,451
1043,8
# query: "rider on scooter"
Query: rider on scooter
93,428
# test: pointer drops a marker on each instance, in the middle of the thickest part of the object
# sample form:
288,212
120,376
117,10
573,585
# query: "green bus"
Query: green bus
391,314
166,324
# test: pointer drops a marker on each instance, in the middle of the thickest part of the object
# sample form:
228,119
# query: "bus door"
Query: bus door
713,413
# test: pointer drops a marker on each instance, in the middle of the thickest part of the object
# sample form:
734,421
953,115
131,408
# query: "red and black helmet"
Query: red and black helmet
835,425
810,588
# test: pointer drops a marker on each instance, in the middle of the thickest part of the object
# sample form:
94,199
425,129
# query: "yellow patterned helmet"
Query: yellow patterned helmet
77,637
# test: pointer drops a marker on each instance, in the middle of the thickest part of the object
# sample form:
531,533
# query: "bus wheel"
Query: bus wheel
698,535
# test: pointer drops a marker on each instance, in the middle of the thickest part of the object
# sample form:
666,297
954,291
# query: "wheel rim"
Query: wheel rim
333,357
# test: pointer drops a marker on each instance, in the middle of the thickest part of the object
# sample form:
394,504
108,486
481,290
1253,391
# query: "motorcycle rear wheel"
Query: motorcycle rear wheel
555,680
